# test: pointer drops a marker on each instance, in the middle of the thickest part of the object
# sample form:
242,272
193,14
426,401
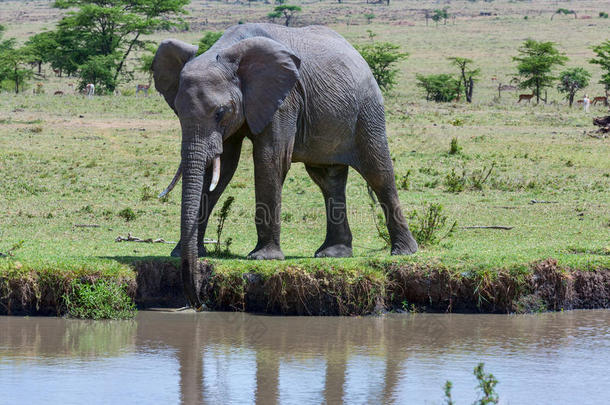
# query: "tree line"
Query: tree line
93,40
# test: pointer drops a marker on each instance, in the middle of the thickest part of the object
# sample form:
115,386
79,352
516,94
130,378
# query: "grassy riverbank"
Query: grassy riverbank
68,161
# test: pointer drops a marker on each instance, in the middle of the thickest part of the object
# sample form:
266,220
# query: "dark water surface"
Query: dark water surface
165,358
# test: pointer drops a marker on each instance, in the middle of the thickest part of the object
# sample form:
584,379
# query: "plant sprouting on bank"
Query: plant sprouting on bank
101,299
487,388
378,218
382,58
428,226
448,398
222,215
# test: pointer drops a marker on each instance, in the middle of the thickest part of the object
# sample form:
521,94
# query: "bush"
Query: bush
455,183
454,148
127,214
99,300
381,58
427,226
440,88
603,14
208,40
222,217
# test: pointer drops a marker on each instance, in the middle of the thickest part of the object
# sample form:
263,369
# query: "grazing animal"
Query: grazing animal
58,93
57,72
142,88
603,99
90,90
300,95
527,97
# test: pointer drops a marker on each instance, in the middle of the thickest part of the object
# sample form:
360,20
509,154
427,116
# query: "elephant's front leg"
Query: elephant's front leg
228,164
272,156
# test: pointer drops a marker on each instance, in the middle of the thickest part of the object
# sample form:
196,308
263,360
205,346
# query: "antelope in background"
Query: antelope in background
603,99
527,97
142,88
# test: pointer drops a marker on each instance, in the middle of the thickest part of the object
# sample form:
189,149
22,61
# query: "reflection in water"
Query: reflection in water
240,358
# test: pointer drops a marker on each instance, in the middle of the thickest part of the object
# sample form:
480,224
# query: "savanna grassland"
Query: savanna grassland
69,160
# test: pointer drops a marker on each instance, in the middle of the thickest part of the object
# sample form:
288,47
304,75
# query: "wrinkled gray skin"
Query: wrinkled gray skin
300,95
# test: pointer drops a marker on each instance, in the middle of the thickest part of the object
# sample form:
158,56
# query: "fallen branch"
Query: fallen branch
506,228
86,226
130,238
543,202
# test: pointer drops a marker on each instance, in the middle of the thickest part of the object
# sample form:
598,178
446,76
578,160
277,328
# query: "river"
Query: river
166,358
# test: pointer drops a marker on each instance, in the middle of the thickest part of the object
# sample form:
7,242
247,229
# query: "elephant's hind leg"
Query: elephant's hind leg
332,181
375,165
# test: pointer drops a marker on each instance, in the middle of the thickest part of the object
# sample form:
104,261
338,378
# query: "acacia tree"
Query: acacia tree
381,58
41,48
603,59
13,62
287,11
572,80
467,75
101,34
535,64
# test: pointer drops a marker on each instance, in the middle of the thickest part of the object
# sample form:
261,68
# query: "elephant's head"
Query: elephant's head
214,95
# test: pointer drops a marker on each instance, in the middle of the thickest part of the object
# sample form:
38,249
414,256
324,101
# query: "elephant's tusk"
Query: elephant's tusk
173,182
215,173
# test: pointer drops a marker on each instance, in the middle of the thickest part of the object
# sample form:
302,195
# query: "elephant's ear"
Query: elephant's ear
267,71
169,60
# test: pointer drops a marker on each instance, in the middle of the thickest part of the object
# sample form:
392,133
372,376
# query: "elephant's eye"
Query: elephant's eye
220,113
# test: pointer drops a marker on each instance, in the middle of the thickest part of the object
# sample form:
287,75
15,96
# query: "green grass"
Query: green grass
68,160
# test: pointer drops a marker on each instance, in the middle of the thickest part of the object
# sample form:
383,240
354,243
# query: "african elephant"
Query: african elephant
300,95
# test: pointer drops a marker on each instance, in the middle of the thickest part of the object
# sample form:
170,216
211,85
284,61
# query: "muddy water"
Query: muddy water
163,358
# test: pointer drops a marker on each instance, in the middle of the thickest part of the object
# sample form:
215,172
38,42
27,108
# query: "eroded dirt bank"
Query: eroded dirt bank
296,291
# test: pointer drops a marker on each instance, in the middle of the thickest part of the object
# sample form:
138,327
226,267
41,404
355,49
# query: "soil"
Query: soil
294,291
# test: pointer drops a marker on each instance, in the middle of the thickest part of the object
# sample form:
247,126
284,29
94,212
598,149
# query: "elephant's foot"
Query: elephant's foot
338,250
268,252
201,252
404,247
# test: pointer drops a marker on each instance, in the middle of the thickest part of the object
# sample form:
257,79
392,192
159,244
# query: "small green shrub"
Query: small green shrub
487,386
448,399
439,87
603,14
147,193
454,148
378,219
99,300
222,215
405,181
127,214
455,183
427,226
479,177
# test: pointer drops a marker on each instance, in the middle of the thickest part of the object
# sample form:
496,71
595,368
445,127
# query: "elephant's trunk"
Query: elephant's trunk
194,161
